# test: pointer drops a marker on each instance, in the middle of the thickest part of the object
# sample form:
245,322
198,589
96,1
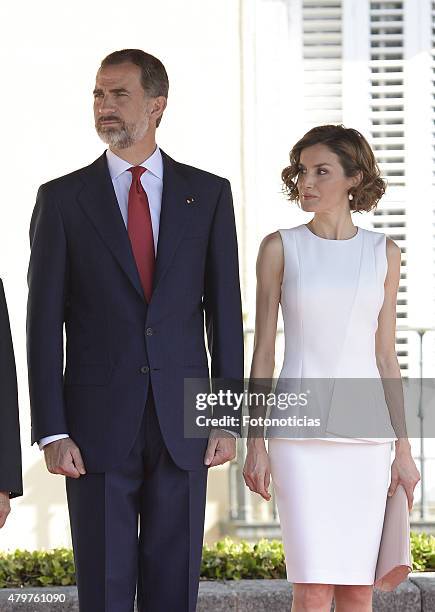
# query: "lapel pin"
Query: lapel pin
190,201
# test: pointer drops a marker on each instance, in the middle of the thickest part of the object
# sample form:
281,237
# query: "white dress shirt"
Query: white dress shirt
152,182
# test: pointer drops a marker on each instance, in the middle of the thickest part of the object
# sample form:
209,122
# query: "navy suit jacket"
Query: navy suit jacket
10,447
82,275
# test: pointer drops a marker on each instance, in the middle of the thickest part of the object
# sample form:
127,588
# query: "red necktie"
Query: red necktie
140,231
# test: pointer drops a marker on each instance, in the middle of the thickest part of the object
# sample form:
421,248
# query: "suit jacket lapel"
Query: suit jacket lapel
98,201
174,216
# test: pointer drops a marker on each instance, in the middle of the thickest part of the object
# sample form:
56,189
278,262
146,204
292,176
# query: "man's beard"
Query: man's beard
123,135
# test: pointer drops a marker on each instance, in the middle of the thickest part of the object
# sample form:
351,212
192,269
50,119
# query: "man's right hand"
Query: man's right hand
64,457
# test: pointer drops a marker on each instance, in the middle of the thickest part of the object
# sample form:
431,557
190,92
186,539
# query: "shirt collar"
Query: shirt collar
117,166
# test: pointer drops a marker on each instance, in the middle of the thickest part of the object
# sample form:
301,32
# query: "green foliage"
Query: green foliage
38,568
423,552
223,560
231,560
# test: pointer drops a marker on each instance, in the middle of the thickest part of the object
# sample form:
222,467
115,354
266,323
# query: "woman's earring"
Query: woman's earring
350,197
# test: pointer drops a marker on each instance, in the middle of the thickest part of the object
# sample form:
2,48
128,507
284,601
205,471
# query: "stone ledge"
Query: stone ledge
417,594
276,596
425,581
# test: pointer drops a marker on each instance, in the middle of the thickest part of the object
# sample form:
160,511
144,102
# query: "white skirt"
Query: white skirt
331,499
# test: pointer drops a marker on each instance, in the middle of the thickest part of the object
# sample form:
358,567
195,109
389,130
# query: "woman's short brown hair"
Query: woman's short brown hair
355,155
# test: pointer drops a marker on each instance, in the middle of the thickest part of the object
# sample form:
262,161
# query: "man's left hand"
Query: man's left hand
220,449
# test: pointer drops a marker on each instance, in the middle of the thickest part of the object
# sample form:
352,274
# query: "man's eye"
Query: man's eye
121,94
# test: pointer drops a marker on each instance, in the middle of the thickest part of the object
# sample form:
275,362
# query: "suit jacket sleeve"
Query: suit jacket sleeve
10,448
47,281
222,301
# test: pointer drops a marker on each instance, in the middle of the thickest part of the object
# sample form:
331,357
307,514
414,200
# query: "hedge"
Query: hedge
224,560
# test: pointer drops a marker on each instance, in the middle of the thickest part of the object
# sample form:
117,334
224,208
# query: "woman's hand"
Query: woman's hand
404,472
256,470
5,507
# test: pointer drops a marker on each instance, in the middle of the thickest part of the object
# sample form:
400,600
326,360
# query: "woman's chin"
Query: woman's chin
309,207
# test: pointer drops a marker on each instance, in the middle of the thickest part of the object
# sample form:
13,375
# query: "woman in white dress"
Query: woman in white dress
337,286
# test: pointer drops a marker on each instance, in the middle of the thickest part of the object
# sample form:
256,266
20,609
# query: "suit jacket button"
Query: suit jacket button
149,331
144,369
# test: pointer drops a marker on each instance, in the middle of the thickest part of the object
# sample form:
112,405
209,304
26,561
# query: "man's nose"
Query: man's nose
105,105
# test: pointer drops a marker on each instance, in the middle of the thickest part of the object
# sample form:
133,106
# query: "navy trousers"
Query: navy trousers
139,526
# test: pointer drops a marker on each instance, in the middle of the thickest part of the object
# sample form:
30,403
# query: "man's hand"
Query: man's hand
64,457
5,507
220,449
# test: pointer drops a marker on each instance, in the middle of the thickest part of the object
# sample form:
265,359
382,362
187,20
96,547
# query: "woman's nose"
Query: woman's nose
307,181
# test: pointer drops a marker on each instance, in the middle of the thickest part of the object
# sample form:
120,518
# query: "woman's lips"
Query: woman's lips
306,196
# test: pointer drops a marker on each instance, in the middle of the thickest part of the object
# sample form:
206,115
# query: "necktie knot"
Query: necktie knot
136,172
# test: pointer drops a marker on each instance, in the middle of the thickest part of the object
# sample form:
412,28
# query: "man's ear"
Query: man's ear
158,107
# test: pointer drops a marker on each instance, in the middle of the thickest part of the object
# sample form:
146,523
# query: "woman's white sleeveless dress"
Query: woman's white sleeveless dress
331,492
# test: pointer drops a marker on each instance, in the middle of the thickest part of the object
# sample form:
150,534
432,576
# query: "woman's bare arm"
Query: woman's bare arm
270,267
403,469
386,356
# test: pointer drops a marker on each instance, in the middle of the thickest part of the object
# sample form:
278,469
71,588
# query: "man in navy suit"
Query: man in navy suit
130,253
11,483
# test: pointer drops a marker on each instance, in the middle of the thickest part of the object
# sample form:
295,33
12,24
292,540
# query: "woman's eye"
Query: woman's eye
302,171
323,171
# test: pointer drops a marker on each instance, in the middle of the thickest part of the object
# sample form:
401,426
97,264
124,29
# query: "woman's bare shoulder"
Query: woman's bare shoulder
270,261
393,250
271,247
